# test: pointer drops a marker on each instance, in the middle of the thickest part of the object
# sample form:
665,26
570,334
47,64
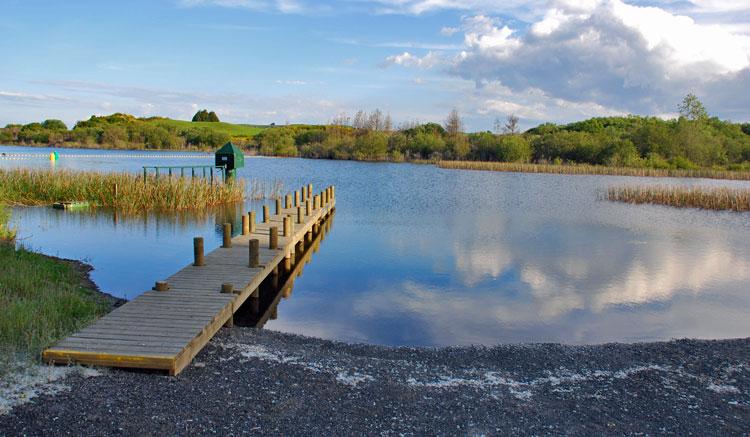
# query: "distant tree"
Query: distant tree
54,125
497,126
692,108
204,115
453,124
375,120
388,123
511,125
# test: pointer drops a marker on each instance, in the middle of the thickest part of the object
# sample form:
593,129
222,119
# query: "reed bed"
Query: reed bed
714,198
7,234
594,170
124,191
260,189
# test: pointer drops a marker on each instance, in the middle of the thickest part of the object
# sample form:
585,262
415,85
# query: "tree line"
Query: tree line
692,140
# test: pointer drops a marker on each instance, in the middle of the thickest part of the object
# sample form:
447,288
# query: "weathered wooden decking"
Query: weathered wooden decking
166,329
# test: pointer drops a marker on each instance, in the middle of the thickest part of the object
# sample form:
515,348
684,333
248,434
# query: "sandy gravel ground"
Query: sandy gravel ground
249,381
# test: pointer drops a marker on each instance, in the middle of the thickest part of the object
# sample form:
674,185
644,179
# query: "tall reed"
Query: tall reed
125,191
715,198
593,170
7,234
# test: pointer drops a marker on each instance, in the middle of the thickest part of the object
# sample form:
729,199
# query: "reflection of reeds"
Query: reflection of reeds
717,198
125,191
261,189
593,170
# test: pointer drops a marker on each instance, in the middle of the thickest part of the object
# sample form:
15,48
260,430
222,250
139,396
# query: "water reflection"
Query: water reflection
264,306
425,256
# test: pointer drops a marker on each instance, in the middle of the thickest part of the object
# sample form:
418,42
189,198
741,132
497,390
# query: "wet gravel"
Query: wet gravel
249,381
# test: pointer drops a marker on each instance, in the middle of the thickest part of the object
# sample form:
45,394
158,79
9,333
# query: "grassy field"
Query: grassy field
715,198
593,170
233,130
124,191
42,300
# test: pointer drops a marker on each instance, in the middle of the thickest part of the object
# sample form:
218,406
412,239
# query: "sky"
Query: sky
304,61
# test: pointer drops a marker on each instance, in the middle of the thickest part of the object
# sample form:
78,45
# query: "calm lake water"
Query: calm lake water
418,255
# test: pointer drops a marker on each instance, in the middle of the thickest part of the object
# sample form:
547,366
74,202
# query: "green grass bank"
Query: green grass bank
43,299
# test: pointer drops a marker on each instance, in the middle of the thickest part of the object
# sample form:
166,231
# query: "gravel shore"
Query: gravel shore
249,381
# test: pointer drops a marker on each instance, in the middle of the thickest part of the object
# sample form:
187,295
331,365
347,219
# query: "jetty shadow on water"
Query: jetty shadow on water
263,306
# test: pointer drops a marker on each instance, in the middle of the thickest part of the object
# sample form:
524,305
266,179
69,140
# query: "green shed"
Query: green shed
231,156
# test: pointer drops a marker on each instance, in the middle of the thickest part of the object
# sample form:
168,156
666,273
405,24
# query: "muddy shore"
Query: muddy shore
249,381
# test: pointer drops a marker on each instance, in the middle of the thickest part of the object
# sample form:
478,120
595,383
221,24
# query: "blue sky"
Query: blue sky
262,61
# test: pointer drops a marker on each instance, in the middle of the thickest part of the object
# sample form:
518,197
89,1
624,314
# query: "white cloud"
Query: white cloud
449,31
603,56
407,59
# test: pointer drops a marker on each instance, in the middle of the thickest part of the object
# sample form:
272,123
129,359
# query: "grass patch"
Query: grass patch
231,129
715,198
124,191
42,300
594,170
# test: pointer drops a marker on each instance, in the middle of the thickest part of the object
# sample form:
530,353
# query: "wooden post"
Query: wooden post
299,214
333,191
308,209
296,198
278,206
288,201
198,251
227,235
303,191
228,288
316,202
161,286
265,213
251,220
287,226
245,225
309,190
273,239
254,246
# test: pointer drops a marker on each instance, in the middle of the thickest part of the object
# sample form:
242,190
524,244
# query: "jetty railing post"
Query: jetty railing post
254,252
278,206
161,286
251,219
296,198
245,225
288,202
308,208
299,214
227,235
273,238
265,213
198,259
287,226
304,194
309,190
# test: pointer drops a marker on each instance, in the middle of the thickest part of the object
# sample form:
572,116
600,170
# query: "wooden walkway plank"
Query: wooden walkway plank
166,329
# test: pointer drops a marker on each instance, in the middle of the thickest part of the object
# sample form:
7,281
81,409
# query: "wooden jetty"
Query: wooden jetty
166,327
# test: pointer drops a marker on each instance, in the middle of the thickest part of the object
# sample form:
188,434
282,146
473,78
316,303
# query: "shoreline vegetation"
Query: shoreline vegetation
43,299
712,198
124,191
587,169
693,145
